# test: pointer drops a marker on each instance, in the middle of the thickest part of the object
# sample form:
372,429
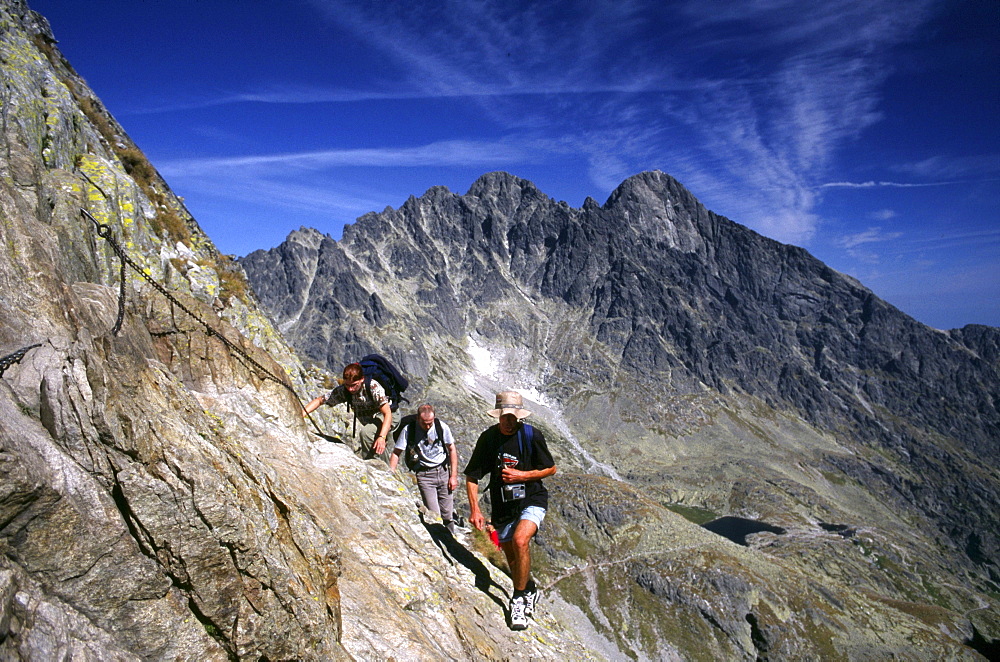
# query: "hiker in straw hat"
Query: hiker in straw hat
514,455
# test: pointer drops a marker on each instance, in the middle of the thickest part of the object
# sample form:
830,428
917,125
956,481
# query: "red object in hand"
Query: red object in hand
495,537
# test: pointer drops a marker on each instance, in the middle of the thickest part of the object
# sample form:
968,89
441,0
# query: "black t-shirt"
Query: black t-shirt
491,448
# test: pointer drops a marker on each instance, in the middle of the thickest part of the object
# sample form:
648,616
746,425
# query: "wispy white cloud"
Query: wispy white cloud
291,195
308,181
285,95
959,239
877,246
869,236
472,48
440,154
883,214
973,166
874,184
767,139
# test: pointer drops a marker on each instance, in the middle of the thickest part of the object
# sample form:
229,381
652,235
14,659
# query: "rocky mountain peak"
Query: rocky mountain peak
502,186
308,237
657,207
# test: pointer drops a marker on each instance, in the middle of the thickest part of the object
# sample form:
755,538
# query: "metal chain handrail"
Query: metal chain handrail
16,357
104,231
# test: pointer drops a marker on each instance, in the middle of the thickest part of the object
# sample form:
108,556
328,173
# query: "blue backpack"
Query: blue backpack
377,367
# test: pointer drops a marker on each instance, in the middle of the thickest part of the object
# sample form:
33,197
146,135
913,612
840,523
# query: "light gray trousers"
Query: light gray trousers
433,484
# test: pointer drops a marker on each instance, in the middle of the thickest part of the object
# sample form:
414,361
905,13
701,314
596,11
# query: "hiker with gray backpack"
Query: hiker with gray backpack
428,449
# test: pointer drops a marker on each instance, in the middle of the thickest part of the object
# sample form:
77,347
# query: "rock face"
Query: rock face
162,498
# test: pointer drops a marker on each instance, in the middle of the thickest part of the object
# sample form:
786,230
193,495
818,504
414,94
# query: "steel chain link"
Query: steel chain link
16,357
104,232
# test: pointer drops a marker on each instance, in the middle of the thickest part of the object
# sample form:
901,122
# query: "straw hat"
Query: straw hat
509,402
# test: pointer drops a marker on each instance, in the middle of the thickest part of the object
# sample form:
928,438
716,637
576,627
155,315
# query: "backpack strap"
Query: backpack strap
350,407
525,434
411,433
368,389
409,428
440,435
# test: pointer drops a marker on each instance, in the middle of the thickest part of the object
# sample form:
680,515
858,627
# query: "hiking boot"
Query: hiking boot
518,621
530,601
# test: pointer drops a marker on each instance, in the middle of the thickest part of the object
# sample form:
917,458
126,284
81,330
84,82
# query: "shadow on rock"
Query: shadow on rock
330,438
455,552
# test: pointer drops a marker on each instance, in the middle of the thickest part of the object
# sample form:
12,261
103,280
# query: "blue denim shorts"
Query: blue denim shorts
534,513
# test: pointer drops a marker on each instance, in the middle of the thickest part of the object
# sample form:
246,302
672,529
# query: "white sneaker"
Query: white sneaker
530,600
518,620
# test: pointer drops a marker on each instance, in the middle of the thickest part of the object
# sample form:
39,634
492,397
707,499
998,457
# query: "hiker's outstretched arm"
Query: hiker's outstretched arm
386,412
394,459
313,405
476,518
509,475
452,468
383,432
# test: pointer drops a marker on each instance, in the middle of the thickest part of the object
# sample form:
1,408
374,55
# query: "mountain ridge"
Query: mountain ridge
590,279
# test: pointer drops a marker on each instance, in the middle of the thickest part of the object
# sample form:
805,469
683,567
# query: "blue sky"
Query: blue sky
866,132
